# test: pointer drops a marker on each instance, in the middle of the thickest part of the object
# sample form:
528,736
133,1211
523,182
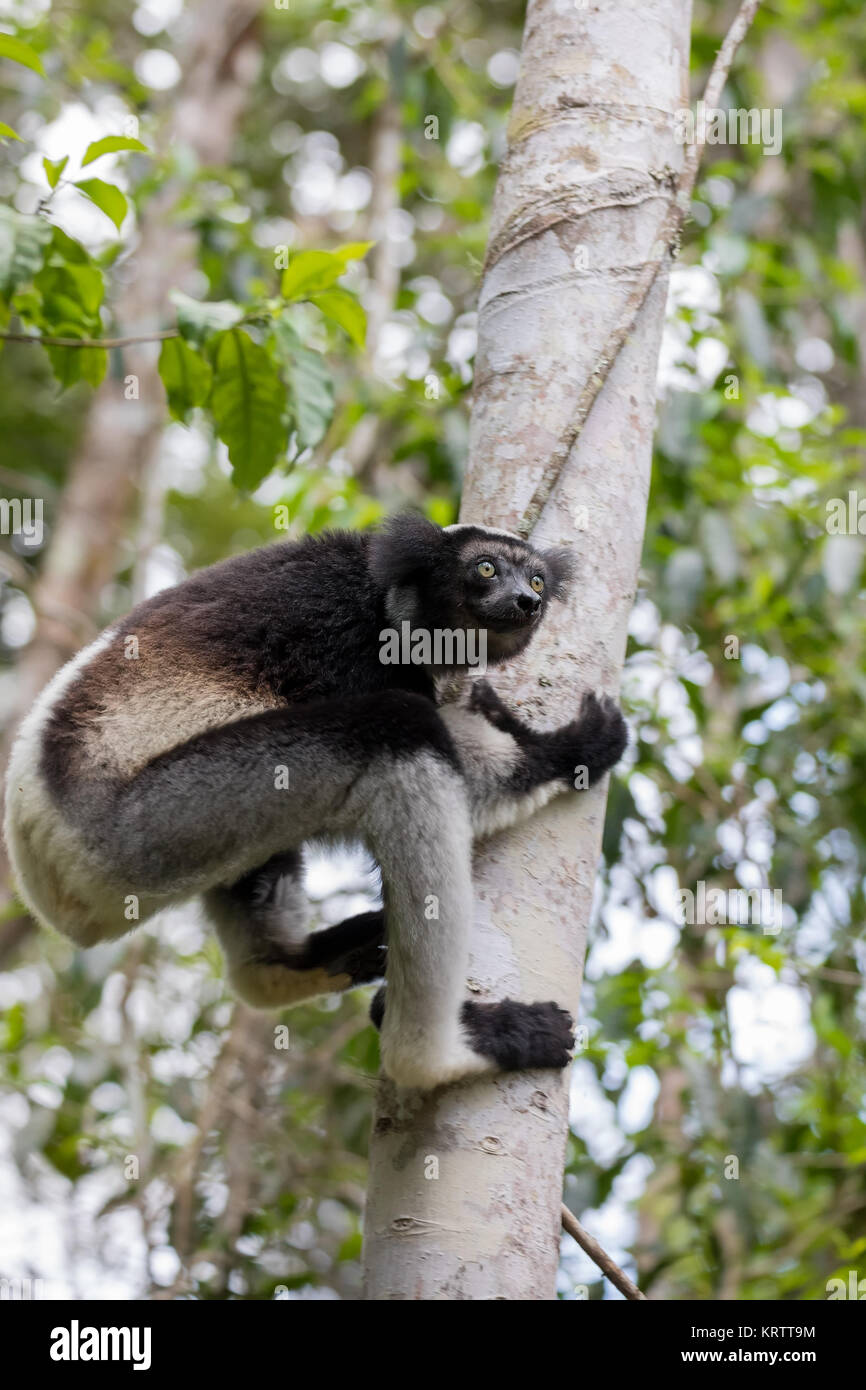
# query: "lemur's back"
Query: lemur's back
281,625
291,623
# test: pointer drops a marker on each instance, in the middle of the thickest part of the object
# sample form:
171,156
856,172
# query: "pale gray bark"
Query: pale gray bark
583,194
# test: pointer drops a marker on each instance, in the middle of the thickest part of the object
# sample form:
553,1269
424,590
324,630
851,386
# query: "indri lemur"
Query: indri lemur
199,743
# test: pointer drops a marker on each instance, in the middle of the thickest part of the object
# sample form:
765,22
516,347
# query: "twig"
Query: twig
41,340
209,1118
590,1246
669,235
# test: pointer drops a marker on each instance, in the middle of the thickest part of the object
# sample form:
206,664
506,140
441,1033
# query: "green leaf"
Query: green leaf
248,402
14,1027
312,396
186,376
312,271
7,132
111,144
93,361
72,293
351,1247
65,302
197,318
22,244
107,197
309,381
353,250
54,168
72,364
343,309
309,271
22,53
66,248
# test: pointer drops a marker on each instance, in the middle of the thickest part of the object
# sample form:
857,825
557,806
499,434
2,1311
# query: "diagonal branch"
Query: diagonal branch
590,1246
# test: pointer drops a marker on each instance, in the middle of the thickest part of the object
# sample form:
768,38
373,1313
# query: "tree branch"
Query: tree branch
590,1246
156,336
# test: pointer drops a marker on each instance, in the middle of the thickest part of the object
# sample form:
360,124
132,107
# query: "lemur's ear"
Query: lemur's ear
407,546
560,570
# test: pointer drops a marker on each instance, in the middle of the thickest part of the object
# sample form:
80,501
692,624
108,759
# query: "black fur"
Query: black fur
518,1036
395,722
298,621
355,947
514,1035
408,549
377,1007
256,890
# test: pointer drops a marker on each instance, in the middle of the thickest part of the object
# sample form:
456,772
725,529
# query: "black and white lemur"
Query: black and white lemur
197,744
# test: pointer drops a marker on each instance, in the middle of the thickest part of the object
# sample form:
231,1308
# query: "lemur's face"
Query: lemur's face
504,585
466,578
502,592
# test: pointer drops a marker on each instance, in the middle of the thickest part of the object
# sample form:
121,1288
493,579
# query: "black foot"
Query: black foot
355,948
520,1036
360,948
377,1007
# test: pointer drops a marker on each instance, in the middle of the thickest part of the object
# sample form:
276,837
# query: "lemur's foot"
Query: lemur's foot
356,948
377,1008
364,957
501,1037
520,1036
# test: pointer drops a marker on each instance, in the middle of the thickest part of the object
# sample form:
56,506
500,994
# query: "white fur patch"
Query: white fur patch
488,531
489,757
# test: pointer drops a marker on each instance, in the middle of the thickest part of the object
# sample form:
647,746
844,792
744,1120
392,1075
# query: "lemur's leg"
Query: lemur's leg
429,1034
380,768
512,770
272,960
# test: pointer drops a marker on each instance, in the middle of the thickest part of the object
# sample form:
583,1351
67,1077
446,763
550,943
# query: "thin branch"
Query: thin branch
362,446
669,236
210,1117
156,336
590,1246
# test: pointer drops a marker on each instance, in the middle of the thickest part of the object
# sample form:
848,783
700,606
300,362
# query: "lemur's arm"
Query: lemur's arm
512,770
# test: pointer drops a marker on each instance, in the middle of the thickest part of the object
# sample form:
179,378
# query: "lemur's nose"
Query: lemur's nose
528,603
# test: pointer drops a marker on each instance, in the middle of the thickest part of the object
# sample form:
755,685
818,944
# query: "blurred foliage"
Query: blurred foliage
171,1137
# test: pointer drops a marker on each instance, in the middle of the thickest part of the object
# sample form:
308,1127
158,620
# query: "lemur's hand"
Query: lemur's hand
596,740
484,700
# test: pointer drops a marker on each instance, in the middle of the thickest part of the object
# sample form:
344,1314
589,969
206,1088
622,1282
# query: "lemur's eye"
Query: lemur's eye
486,569
537,583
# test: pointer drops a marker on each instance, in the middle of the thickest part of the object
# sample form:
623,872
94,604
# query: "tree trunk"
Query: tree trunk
582,194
